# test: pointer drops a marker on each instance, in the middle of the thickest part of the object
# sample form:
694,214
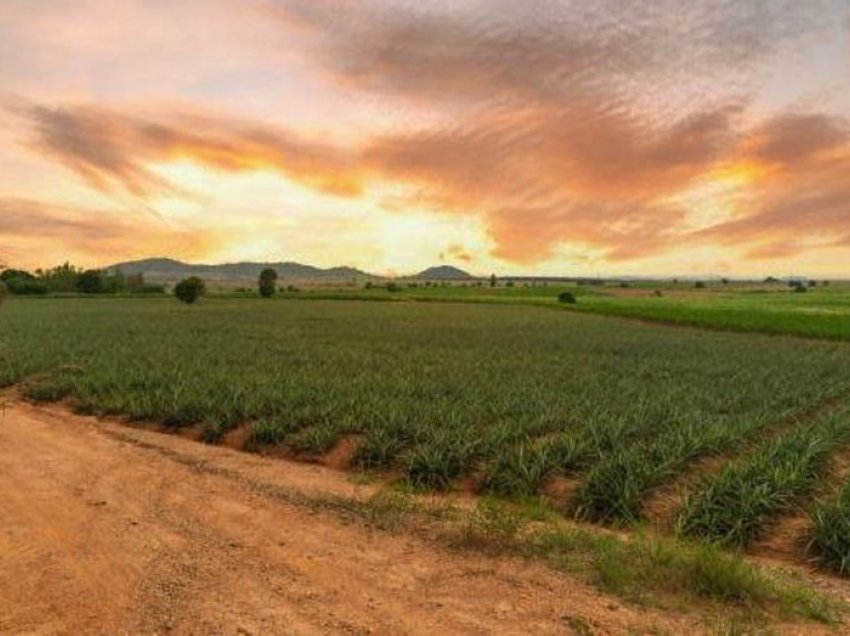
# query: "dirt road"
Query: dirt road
110,529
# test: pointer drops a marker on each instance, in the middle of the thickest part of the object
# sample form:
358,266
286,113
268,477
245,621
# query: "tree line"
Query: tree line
68,279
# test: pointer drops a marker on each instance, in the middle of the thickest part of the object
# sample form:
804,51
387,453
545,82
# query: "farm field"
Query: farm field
597,414
822,312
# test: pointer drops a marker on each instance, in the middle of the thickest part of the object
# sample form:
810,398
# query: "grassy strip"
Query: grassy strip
661,572
732,507
830,537
819,314
785,319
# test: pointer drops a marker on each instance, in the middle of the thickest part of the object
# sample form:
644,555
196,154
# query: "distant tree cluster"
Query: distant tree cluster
68,279
190,289
268,283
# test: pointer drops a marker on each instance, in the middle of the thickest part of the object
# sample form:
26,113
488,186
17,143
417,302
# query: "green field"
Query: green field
822,312
501,396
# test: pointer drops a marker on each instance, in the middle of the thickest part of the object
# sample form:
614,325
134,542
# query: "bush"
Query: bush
267,282
13,274
568,298
4,291
26,286
393,287
800,289
190,289
699,285
91,282
658,293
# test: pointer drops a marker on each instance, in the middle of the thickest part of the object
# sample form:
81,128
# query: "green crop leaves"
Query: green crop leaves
732,507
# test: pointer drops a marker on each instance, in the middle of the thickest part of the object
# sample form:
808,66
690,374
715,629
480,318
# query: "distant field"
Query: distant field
822,312
502,398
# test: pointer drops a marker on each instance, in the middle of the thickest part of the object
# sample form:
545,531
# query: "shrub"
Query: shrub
91,282
393,287
658,293
699,285
4,291
568,298
189,289
13,274
26,286
800,289
267,283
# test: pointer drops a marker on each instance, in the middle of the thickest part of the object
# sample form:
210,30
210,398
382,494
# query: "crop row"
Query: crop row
734,506
830,532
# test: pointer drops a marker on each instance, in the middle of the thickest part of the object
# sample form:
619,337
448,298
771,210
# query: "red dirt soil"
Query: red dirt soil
110,529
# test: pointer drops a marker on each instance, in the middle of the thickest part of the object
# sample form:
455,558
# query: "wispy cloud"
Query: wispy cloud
112,150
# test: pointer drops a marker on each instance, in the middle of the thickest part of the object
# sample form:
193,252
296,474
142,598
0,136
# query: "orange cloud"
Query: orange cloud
30,229
800,196
457,253
539,178
110,150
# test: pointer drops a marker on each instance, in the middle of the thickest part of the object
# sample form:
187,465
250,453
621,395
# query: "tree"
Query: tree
268,282
190,289
91,282
492,280
15,274
62,278
18,281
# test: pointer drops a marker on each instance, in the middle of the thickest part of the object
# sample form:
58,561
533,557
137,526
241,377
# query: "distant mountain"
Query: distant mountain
443,272
168,270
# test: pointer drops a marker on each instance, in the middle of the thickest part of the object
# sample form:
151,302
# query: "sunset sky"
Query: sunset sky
557,137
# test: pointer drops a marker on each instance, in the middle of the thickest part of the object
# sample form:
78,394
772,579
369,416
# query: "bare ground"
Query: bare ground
110,529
